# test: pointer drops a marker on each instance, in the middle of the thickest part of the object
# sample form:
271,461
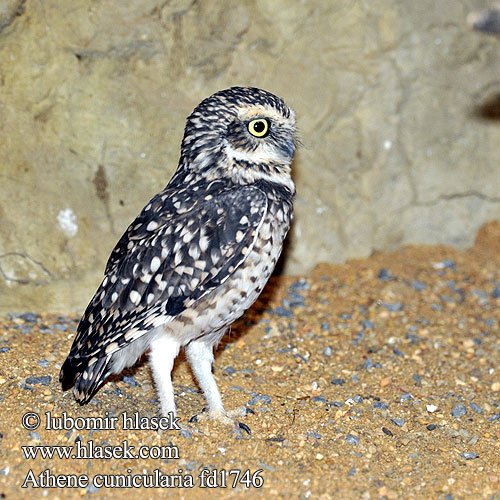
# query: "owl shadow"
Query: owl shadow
489,109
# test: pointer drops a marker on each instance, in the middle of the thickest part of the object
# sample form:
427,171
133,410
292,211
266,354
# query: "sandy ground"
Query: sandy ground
377,379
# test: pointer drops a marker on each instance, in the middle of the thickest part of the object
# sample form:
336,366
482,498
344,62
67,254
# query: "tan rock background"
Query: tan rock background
397,105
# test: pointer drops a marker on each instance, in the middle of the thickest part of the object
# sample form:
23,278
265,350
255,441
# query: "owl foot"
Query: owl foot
225,417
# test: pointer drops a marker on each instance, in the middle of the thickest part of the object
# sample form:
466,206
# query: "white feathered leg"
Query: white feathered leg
164,350
201,356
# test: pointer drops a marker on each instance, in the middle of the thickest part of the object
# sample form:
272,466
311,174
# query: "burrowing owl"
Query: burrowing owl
199,253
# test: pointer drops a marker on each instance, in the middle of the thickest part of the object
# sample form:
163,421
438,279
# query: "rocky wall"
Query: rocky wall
397,105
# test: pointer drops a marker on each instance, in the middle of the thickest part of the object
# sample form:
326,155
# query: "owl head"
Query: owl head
240,132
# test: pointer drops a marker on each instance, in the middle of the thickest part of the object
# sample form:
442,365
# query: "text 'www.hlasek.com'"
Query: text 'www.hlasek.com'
126,478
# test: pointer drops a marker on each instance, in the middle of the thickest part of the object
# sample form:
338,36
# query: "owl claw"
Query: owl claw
225,417
243,426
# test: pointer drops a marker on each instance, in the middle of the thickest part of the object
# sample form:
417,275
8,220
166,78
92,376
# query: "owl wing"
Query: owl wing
165,262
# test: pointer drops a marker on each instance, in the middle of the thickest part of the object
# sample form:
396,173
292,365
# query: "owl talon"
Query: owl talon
245,427
241,411
224,417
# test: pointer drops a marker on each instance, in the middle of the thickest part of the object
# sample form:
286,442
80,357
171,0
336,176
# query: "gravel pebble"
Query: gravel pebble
458,411
295,299
43,380
29,317
352,439
418,285
385,275
337,381
412,337
301,357
192,465
476,408
359,336
300,284
59,326
473,440
263,398
319,399
91,488
229,370
336,404
380,405
398,421
313,434
34,435
445,264
393,307
265,466
130,380
282,312
480,293
469,456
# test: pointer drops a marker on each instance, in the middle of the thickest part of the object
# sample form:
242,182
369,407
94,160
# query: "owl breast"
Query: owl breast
230,300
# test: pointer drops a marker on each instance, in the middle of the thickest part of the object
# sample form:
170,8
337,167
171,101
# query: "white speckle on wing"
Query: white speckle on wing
67,222
134,297
155,264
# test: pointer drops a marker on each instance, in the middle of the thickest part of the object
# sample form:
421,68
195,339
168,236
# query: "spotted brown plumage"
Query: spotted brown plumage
199,253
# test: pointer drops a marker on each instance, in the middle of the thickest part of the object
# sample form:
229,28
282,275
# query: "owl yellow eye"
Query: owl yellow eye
259,127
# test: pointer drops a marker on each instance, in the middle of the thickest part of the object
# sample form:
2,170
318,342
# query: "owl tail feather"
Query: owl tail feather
86,382
68,374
